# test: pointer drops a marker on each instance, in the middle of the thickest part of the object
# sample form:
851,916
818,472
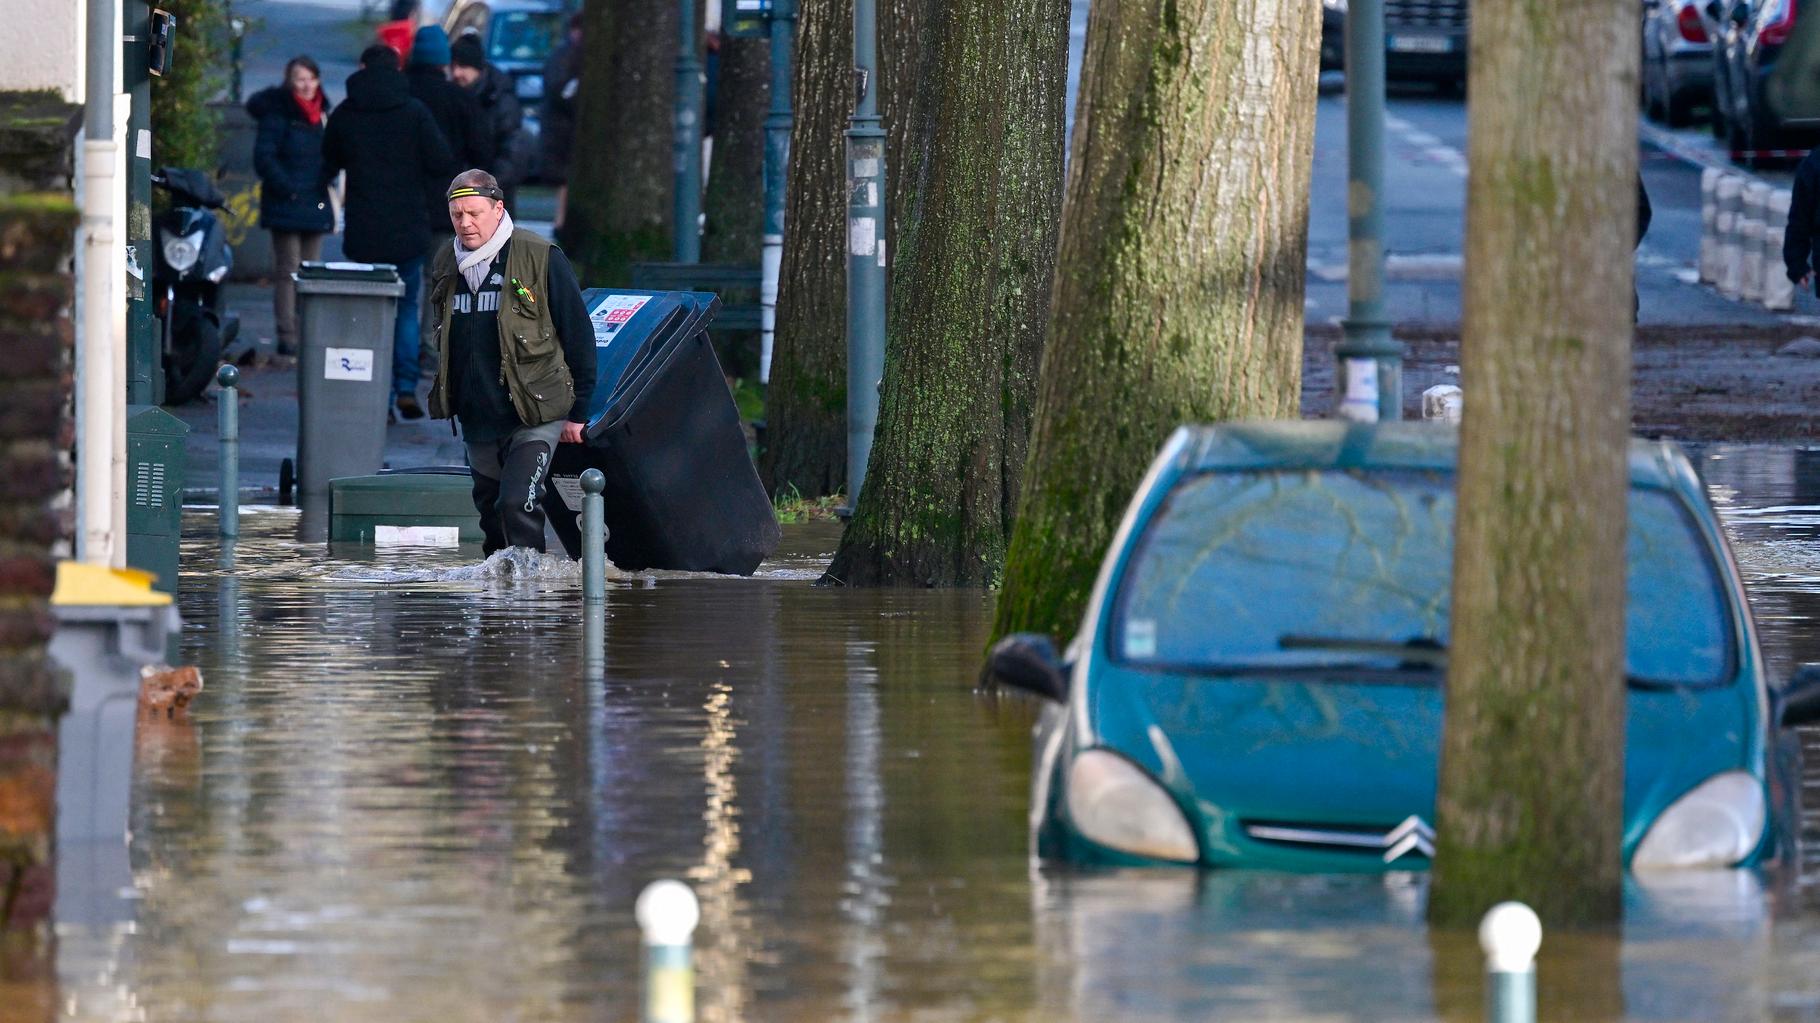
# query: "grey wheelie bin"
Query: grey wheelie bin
110,624
345,314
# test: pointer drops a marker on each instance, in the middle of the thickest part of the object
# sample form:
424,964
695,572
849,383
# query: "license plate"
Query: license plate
1421,44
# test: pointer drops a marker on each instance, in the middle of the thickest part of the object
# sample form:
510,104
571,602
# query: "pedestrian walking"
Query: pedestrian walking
1799,239
293,198
561,92
501,115
399,28
517,357
391,149
463,127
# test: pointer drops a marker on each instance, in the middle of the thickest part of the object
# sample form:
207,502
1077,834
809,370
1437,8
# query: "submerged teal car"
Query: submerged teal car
1257,681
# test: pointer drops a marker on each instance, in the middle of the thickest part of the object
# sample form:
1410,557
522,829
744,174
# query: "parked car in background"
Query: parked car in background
517,36
1258,677
1765,98
1677,60
1424,40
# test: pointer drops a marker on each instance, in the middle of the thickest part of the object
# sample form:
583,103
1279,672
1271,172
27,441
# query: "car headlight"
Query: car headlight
529,86
182,251
1113,802
1716,824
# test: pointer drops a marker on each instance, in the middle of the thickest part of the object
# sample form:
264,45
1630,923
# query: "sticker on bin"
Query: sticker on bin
347,364
417,536
569,489
614,312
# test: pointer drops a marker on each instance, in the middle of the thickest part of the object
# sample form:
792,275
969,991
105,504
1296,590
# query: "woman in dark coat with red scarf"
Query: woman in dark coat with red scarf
288,159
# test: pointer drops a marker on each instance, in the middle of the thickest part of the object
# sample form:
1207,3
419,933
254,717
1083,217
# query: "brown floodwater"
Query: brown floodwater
419,788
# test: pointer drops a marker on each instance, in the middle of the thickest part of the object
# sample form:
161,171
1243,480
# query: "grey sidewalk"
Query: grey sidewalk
268,418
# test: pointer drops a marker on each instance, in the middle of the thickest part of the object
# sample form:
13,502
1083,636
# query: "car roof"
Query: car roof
1338,444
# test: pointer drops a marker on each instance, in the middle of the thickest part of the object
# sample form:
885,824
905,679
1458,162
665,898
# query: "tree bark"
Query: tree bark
981,179
1179,283
1532,762
805,405
735,196
621,178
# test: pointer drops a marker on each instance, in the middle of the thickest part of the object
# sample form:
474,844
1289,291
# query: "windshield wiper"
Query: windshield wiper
1415,654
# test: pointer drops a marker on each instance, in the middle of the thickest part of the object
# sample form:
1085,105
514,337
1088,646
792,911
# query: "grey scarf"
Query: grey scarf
473,265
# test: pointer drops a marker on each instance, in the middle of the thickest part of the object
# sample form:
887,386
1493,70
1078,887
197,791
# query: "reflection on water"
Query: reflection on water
420,787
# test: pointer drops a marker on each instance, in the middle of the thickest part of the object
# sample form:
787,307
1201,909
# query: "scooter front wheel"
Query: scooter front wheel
195,352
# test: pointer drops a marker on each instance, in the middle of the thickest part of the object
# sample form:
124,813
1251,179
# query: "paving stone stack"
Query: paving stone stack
38,221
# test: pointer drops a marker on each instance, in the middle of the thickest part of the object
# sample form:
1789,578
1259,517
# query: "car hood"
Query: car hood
1362,756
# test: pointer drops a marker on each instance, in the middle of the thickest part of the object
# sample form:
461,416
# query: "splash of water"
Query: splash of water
512,566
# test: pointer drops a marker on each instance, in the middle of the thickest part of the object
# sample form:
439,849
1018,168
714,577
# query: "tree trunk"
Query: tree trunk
1532,762
621,179
981,178
805,405
1179,283
735,197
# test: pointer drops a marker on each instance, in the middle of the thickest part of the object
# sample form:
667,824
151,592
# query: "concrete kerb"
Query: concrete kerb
1742,218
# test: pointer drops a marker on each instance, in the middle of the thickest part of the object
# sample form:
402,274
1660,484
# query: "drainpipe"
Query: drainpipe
101,324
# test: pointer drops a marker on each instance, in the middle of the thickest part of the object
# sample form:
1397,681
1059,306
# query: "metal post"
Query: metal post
1370,371
667,913
145,376
229,502
101,277
865,251
594,640
1510,934
593,537
687,210
777,161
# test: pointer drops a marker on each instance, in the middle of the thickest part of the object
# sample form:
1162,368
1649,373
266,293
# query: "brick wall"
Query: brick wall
38,220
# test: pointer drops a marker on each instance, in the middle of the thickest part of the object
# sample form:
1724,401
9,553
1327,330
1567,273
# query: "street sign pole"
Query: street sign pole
778,123
686,218
1370,371
865,251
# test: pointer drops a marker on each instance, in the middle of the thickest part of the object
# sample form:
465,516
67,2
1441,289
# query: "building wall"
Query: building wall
38,220
42,48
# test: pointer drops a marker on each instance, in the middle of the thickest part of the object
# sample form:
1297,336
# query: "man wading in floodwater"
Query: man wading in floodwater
516,355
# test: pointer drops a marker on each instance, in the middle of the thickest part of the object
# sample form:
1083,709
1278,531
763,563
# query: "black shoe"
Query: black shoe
408,407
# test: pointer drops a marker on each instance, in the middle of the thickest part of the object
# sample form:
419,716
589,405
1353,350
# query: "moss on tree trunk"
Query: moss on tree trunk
1179,284
735,197
1532,763
621,179
981,194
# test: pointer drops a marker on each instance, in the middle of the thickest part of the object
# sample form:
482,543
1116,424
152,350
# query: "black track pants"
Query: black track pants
511,479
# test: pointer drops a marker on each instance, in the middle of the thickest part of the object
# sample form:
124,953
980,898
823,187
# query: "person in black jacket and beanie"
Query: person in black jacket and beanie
293,200
502,116
1798,241
392,151
463,127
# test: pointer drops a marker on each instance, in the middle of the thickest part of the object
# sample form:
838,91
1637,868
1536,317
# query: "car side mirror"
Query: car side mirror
1799,702
1027,661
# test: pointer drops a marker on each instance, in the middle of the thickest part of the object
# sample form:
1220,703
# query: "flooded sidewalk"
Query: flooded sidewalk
411,792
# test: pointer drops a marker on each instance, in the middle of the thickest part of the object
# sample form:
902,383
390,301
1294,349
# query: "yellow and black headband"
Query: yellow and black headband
485,192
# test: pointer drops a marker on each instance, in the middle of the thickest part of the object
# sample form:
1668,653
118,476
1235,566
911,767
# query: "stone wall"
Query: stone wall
38,220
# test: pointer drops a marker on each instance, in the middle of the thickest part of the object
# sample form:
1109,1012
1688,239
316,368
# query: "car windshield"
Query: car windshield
1297,570
523,35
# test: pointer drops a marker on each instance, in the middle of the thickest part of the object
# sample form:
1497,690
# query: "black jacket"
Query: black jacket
463,126
287,156
391,148
504,118
561,90
1804,204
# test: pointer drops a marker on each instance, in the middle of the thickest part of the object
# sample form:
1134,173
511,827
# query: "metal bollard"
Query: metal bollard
667,914
593,537
1730,196
1709,213
1750,241
1510,934
229,501
1778,290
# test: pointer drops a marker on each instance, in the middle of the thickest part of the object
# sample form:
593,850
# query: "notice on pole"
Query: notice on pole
347,364
613,313
862,236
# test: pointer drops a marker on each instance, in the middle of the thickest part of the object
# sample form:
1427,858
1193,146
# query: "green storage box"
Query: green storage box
155,464
416,507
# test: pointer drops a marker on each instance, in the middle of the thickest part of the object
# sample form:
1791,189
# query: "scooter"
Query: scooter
190,261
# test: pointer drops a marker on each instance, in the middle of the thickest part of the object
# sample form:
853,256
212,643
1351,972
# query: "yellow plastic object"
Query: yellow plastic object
79,585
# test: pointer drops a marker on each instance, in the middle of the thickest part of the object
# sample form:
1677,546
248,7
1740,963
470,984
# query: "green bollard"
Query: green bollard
1510,934
229,502
667,914
593,537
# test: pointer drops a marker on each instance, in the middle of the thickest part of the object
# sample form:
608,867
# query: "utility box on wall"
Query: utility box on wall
154,492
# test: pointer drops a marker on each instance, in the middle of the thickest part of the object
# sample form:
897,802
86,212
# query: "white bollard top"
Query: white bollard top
1510,934
667,913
